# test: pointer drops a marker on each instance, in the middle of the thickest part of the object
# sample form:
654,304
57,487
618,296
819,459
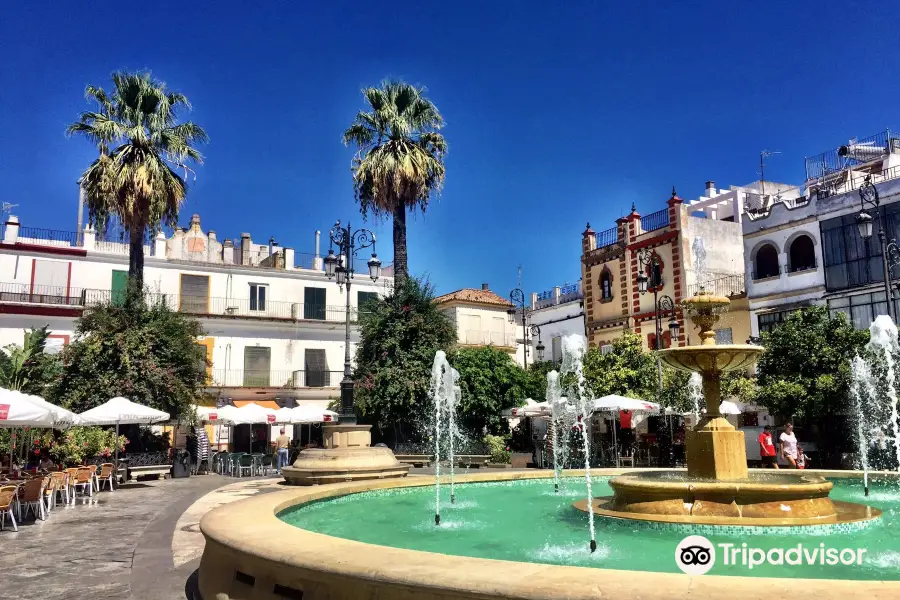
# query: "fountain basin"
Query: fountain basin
710,359
252,552
762,499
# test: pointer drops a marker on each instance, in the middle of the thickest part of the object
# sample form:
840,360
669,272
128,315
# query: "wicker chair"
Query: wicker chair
32,498
7,499
94,478
107,474
84,479
60,482
71,475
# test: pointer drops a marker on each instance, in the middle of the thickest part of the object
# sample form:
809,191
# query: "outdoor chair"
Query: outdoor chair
71,473
107,473
222,460
57,483
84,479
7,498
32,499
96,481
245,462
266,464
257,463
234,461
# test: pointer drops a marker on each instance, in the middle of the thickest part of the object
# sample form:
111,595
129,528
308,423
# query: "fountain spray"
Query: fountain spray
860,374
554,393
695,392
883,340
438,368
453,400
573,353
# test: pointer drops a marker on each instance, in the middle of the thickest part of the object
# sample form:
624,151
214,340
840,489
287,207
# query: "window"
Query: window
654,272
861,309
195,294
723,336
55,343
606,348
258,297
50,281
766,262
606,285
257,366
850,262
767,322
314,303
317,373
802,254
363,298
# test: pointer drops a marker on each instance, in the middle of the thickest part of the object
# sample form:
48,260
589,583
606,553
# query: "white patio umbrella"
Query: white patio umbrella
252,413
119,410
308,414
62,418
19,410
615,403
285,415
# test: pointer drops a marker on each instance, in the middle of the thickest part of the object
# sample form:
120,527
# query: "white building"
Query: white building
274,327
556,312
802,245
482,318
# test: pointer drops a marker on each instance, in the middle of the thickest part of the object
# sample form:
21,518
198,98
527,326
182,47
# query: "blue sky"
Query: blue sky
557,113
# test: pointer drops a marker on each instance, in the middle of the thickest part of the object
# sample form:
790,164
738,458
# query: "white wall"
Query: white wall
556,322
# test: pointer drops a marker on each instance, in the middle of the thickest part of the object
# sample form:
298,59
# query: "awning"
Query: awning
264,403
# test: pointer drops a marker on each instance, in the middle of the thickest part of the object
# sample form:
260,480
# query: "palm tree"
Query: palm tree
400,157
142,149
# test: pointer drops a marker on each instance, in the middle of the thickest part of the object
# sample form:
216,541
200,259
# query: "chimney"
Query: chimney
245,248
228,252
710,189
484,286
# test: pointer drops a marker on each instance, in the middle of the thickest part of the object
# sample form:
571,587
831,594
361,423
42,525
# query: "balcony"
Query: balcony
728,285
474,337
285,379
201,306
655,221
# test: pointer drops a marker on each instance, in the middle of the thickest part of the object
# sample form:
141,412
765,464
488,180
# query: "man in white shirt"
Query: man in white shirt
788,442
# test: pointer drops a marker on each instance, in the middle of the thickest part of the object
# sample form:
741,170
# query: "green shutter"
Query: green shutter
363,298
314,303
119,287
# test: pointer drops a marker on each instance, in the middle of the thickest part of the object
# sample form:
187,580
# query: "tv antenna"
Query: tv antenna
763,155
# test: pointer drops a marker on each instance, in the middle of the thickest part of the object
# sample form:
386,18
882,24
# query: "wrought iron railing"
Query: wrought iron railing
47,237
608,237
728,285
486,338
290,379
26,293
655,221
854,153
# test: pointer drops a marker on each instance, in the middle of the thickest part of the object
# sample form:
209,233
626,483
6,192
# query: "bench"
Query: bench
416,460
462,460
149,470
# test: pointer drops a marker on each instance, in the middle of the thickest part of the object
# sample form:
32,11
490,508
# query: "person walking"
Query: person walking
282,443
767,448
789,445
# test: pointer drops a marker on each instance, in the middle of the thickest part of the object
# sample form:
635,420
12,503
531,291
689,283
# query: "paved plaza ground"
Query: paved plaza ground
141,542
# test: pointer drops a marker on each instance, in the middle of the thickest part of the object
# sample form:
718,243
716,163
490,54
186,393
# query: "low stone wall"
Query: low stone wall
251,554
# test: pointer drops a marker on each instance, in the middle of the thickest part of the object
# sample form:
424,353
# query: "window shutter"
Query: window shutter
194,294
317,373
314,303
257,366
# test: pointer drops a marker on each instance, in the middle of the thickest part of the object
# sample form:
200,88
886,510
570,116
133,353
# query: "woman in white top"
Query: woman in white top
789,445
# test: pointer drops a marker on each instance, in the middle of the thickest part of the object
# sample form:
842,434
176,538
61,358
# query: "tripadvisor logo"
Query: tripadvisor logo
696,555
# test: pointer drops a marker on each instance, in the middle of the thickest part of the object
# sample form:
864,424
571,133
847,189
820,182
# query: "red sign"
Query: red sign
4,412
270,418
213,416
326,418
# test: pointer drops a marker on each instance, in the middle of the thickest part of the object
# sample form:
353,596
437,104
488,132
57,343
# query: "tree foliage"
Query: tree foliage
147,353
142,149
399,162
399,335
626,370
27,368
490,381
804,371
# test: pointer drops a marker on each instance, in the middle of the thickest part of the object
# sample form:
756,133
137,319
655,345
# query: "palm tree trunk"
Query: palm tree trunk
401,267
136,258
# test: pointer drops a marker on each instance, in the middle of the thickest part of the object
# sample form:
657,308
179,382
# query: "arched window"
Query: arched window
801,254
654,272
606,283
766,262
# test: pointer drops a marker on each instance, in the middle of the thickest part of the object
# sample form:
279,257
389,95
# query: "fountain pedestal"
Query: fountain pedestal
714,451
347,456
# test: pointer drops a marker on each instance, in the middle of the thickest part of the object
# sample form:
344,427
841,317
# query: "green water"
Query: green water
525,521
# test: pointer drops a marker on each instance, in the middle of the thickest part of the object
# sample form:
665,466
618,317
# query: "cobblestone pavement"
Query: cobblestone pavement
117,545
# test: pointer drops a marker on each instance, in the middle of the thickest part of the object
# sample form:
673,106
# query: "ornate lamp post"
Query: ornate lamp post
340,267
518,298
890,252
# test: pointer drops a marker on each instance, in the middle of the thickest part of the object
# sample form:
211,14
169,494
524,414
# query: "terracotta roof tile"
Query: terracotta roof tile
474,295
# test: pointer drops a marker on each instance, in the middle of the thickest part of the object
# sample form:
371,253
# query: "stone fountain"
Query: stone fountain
717,488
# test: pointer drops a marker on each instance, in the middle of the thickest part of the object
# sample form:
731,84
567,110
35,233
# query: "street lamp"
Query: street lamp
340,267
890,252
539,349
518,298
